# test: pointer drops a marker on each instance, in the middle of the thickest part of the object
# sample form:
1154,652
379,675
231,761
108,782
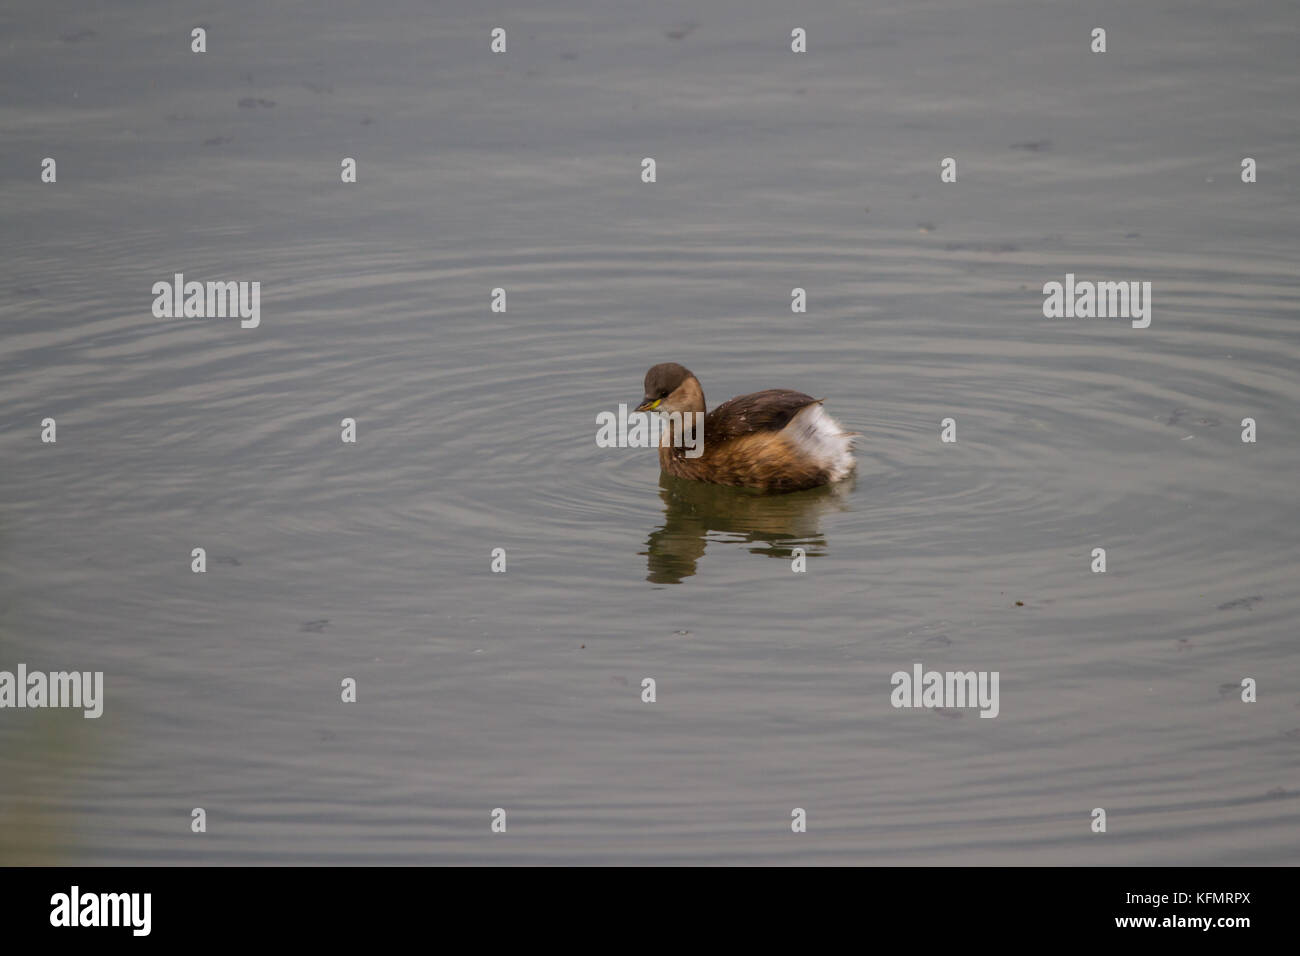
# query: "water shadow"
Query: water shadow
776,524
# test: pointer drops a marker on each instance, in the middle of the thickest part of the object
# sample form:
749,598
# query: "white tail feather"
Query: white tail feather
815,434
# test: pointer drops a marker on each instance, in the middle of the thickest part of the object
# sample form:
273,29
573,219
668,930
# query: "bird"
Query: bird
776,441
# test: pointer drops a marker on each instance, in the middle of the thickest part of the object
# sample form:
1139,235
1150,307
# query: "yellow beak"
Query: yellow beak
648,405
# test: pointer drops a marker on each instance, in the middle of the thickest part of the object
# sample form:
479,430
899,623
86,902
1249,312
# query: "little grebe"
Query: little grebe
776,440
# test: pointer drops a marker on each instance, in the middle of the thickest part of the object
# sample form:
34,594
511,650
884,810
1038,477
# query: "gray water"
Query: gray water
522,690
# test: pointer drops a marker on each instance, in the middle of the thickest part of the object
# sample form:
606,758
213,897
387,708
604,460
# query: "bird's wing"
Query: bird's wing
769,410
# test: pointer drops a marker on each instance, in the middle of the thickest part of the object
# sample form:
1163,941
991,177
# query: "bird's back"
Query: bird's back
777,440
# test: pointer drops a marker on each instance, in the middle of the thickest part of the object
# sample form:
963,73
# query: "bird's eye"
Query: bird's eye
663,394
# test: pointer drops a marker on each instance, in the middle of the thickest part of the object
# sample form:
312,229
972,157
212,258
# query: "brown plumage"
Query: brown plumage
776,440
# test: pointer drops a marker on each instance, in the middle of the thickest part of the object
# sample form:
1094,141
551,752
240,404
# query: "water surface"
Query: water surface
476,431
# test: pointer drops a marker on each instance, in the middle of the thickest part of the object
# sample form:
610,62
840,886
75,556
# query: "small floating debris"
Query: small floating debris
1239,604
982,247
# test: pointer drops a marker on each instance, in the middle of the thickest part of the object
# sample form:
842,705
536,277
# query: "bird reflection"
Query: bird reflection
776,524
